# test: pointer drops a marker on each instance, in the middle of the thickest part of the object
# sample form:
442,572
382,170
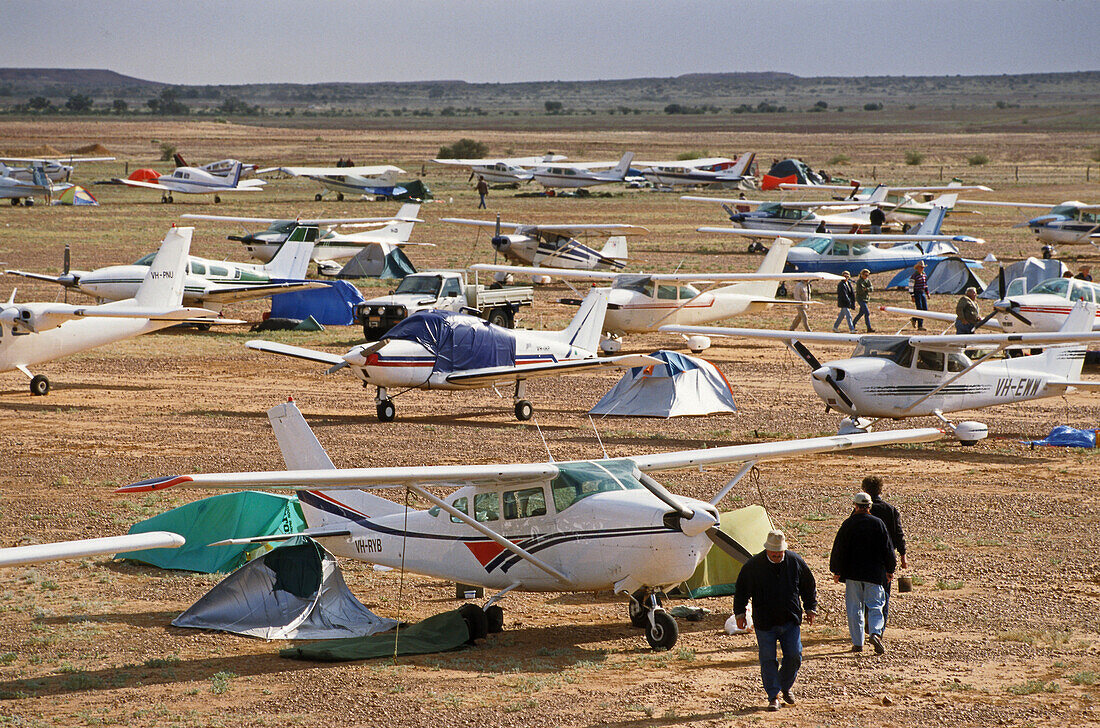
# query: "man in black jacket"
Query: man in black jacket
880,509
863,558
780,585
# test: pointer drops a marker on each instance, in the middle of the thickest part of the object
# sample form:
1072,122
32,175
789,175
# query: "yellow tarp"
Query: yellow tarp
717,575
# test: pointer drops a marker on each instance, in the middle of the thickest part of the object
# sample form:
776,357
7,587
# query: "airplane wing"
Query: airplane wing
824,337
336,171
992,203
779,450
1079,384
490,375
61,159
726,200
139,183
482,223
848,237
571,229
694,277
957,342
37,553
933,315
302,220
297,352
248,184
231,294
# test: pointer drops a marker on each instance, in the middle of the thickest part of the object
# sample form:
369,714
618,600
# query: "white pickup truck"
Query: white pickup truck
447,290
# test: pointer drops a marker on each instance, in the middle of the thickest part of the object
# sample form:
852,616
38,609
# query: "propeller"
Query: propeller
357,357
806,354
728,544
693,520
1005,305
819,372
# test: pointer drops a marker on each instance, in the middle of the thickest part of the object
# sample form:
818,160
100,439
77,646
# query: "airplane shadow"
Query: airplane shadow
678,719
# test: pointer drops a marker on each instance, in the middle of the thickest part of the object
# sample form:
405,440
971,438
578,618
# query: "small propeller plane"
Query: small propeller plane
555,245
211,283
584,525
39,185
901,203
445,350
798,216
33,333
370,181
640,302
1070,223
852,252
582,174
503,170
895,377
222,167
197,181
708,171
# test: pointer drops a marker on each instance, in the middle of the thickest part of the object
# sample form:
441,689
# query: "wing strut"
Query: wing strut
749,465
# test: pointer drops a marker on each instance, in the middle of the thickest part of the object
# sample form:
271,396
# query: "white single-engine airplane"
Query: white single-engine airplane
39,185
894,377
640,302
33,333
210,283
57,169
446,350
379,179
197,181
706,171
503,170
586,525
901,203
555,245
582,174
1070,223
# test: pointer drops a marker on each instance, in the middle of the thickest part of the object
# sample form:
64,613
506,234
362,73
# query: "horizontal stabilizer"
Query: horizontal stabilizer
297,352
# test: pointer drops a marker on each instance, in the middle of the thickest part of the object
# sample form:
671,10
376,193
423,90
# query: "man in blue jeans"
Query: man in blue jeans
863,558
780,585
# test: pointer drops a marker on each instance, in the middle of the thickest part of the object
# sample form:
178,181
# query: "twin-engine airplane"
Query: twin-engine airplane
197,181
445,350
582,174
584,525
33,333
555,245
640,302
895,377
378,180
503,170
212,283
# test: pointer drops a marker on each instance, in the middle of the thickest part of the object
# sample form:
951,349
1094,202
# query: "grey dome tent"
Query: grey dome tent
681,385
945,275
383,260
293,592
1033,270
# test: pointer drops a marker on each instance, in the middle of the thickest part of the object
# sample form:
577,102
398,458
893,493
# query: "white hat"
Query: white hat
776,541
861,499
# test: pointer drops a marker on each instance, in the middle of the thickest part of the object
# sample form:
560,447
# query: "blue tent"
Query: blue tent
333,305
458,341
681,385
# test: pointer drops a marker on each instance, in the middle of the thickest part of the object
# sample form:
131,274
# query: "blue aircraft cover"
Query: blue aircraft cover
460,342
1066,436
333,305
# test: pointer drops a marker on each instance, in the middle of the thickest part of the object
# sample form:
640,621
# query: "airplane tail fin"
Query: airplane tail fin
1067,360
585,329
774,262
615,247
179,160
402,231
39,177
741,168
292,258
931,224
163,284
302,451
624,165
878,195
234,175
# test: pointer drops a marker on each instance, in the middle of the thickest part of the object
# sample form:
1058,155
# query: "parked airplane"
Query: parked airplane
34,333
220,168
582,174
893,377
798,216
362,181
901,203
554,245
639,302
708,171
57,169
1070,223
503,170
836,253
585,525
40,185
331,245
445,350
210,283
196,181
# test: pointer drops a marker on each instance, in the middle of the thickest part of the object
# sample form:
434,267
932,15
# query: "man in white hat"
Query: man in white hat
780,585
863,558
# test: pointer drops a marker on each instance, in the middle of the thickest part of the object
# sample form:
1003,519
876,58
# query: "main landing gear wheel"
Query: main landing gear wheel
662,632
339,196
386,411
40,386
524,410
217,199
163,199
317,197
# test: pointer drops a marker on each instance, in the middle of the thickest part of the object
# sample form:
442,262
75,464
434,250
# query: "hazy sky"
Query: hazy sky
237,41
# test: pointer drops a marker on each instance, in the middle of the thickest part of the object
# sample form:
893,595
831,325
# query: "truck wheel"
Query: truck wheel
500,317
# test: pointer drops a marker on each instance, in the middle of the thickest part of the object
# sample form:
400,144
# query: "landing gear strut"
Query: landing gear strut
646,609
384,406
524,409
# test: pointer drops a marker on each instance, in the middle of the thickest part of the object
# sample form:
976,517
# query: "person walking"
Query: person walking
482,190
863,295
877,219
967,315
780,586
863,558
802,293
880,509
845,301
1085,274
918,289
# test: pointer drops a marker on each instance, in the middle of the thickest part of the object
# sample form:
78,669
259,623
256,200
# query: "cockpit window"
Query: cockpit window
487,506
524,503
1080,292
577,481
460,504
882,347
666,291
638,284
818,245
957,362
1055,287
930,360
146,259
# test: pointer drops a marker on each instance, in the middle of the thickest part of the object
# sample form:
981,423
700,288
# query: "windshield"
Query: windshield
895,349
1055,287
818,245
577,481
420,285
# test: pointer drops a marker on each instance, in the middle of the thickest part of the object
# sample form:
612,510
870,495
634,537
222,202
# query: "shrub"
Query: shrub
977,160
913,158
167,151
839,159
464,149
872,107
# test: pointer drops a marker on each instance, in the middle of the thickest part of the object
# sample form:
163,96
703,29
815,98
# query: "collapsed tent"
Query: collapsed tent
413,191
219,517
439,633
294,592
333,305
77,196
1066,436
1033,270
459,341
945,275
383,260
717,574
681,385
790,171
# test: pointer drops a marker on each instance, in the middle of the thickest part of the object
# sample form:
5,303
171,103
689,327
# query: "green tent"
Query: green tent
717,575
440,633
232,515
415,190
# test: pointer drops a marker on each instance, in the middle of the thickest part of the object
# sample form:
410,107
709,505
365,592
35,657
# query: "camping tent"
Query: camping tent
1034,270
145,174
414,190
76,195
333,305
790,171
232,515
681,385
383,260
945,275
717,574
292,592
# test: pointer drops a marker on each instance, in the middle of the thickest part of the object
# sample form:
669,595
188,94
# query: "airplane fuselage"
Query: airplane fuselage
117,282
556,251
635,311
821,255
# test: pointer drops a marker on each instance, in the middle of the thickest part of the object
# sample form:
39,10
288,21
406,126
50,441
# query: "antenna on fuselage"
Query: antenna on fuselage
598,439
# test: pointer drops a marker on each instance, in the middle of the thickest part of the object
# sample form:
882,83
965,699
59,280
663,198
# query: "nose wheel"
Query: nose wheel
384,406
647,612
524,410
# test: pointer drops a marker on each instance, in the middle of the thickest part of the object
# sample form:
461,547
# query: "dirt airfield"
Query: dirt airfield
1001,628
